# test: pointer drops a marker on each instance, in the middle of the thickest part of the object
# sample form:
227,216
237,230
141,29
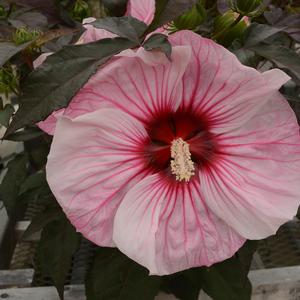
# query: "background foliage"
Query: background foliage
262,34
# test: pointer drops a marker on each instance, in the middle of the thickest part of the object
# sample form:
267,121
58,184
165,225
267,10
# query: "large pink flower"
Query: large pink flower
182,161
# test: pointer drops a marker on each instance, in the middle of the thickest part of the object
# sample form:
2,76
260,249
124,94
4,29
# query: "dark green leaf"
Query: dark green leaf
247,57
8,50
115,8
58,243
25,135
10,186
38,150
44,91
278,17
48,8
66,16
223,281
41,220
126,27
33,181
279,39
168,10
228,280
115,276
257,33
5,114
40,196
284,58
35,188
160,42
292,98
30,20
245,254
185,285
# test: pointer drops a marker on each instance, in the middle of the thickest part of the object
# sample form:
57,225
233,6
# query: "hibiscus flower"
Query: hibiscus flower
177,162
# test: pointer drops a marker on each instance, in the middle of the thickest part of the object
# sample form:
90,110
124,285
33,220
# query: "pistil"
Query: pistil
182,165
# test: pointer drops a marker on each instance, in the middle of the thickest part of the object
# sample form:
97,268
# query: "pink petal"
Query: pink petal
254,184
220,87
93,161
140,86
153,57
80,104
141,9
93,34
167,227
140,83
41,59
49,124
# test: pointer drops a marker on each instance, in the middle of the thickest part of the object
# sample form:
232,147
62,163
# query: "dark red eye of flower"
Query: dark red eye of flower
168,127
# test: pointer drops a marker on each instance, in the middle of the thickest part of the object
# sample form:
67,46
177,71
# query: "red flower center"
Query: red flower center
169,126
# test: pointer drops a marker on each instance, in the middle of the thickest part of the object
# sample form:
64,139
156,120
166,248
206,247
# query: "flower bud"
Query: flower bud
81,10
246,7
225,32
2,11
23,35
191,19
8,80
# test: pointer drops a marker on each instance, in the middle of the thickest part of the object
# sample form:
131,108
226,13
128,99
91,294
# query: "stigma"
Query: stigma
182,165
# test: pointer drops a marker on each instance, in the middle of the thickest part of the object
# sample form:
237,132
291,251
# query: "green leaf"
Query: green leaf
226,281
115,276
284,58
58,243
223,281
247,57
245,254
292,98
115,7
41,220
8,50
185,285
160,42
5,114
52,85
11,184
33,181
25,135
126,27
35,189
168,10
257,33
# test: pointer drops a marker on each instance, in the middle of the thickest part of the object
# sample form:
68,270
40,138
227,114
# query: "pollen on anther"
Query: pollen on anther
182,165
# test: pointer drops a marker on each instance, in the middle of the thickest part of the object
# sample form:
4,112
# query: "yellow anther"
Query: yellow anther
182,165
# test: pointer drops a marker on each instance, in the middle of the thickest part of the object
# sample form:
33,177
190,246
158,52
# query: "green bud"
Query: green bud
191,19
224,21
23,35
8,80
81,10
246,7
2,11
225,32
